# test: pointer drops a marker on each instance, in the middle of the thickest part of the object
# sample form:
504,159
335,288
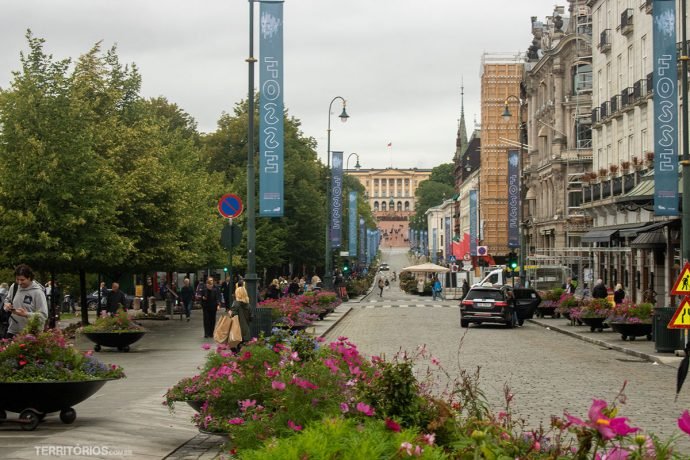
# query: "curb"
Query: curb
602,343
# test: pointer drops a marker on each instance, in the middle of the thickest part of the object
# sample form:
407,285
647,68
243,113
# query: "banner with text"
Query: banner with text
513,199
352,218
336,199
362,241
665,99
473,222
447,253
434,243
271,138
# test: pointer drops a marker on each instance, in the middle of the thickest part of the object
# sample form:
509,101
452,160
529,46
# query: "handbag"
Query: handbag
222,330
235,334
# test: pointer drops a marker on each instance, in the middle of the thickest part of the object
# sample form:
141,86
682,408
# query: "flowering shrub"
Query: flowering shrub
118,323
36,356
630,313
566,303
592,308
302,310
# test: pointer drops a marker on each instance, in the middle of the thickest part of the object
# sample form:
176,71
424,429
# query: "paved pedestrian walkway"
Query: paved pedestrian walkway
640,347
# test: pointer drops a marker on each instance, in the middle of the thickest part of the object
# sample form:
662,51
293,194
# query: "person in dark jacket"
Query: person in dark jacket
240,308
187,297
273,291
599,291
115,300
210,304
618,294
293,287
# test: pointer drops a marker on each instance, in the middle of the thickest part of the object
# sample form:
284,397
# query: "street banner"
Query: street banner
665,78
336,199
447,253
352,218
513,198
473,222
362,241
271,138
434,243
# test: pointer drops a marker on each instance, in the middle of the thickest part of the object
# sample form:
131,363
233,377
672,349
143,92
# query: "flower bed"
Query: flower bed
301,311
292,397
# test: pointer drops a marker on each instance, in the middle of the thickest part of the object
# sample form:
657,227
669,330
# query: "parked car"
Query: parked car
92,300
384,267
488,304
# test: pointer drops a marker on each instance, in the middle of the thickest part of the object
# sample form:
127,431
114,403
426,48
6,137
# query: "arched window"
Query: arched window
399,205
376,205
407,206
383,206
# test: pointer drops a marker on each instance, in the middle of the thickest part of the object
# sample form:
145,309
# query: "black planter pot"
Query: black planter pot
119,340
629,331
33,400
196,405
595,324
546,311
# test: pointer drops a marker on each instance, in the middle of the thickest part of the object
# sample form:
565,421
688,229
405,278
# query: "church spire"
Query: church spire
461,139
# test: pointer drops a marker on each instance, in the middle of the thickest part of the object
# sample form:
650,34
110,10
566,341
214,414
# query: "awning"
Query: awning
650,240
598,236
628,232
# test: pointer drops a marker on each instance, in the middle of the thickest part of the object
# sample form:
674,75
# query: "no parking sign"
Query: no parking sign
230,206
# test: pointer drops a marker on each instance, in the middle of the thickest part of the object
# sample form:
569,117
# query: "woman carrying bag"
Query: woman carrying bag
240,308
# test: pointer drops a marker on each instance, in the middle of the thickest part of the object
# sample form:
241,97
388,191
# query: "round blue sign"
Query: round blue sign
230,206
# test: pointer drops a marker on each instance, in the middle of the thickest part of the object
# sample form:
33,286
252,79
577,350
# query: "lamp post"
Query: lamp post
347,162
521,126
328,276
251,277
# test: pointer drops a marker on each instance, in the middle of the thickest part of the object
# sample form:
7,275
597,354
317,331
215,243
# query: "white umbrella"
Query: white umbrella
426,268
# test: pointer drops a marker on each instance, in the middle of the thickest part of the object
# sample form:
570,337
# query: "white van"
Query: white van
542,277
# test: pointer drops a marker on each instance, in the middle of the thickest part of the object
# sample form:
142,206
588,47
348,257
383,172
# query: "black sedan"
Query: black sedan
92,300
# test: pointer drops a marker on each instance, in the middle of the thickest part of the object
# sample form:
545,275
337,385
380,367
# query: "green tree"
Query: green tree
430,194
444,174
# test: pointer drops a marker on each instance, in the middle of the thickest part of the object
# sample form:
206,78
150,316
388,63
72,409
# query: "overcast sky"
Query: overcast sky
399,63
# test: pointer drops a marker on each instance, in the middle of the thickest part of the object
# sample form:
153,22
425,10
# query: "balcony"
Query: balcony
604,110
627,21
648,4
627,97
615,104
595,115
639,90
650,83
605,40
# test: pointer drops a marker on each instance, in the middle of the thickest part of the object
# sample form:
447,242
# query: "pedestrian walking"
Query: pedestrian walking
273,291
187,297
618,294
465,288
240,308
599,291
26,299
569,286
210,304
115,299
436,289
149,300
381,286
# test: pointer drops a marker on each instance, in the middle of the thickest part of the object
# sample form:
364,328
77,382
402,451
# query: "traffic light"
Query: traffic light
512,261
346,267
225,269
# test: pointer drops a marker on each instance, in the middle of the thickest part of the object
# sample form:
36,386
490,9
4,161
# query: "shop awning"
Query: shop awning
598,236
628,232
649,240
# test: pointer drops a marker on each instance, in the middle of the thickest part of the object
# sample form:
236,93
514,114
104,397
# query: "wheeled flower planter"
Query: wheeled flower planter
119,340
34,400
629,331
595,324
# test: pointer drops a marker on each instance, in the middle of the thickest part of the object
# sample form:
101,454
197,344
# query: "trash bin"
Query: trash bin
263,322
666,340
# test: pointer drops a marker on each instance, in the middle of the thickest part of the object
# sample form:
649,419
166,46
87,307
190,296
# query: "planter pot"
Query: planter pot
119,340
546,311
33,400
629,331
196,405
595,324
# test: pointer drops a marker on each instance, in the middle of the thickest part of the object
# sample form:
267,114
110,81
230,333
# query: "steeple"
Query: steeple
461,139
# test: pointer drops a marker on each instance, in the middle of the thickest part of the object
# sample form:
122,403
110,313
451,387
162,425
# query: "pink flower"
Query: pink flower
206,346
246,404
429,438
332,365
617,453
276,385
344,408
306,384
236,421
406,446
294,426
391,425
608,428
684,421
365,409
435,361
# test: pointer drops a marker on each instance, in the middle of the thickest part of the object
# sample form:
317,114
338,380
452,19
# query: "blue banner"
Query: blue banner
446,254
434,243
271,138
336,230
362,241
352,232
473,222
513,198
425,242
665,99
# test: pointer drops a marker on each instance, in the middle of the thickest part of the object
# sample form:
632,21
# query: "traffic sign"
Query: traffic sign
682,285
681,318
451,259
230,205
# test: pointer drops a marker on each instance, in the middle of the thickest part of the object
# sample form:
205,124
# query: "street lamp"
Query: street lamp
328,276
506,117
347,162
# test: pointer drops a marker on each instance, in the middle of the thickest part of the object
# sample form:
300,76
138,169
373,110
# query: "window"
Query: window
407,206
399,205
582,78
583,133
383,206
376,205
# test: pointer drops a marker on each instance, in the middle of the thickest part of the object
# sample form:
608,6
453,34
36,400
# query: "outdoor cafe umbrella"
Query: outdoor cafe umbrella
426,268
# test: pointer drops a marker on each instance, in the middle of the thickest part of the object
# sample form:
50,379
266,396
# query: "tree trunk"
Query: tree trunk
82,297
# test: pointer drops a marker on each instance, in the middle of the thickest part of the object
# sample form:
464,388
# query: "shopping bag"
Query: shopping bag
222,330
235,334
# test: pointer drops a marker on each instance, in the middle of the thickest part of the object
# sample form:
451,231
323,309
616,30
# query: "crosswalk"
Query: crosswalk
384,303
